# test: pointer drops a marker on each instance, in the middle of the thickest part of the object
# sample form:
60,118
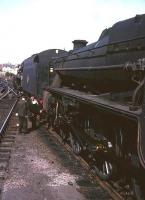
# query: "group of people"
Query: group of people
32,110
29,109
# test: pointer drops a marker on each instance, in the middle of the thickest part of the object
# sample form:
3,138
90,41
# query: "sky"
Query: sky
31,26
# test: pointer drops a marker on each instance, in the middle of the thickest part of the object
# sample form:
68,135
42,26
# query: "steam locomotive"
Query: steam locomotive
100,101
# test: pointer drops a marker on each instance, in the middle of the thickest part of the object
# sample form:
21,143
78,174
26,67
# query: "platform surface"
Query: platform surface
37,172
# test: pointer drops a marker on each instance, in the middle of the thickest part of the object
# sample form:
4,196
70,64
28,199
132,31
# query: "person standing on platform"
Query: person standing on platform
51,111
34,110
42,112
22,114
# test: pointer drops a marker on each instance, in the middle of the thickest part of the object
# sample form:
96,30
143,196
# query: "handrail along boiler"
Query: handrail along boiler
100,103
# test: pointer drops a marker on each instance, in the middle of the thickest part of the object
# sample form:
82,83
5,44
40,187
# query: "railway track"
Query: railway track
115,191
8,131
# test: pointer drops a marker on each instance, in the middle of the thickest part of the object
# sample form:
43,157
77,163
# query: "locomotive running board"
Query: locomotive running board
97,101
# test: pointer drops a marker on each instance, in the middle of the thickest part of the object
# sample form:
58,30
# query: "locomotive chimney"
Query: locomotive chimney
79,43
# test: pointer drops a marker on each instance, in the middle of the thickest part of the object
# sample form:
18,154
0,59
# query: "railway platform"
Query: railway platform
40,168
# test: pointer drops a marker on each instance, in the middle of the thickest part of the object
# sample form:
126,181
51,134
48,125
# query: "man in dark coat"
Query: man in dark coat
22,114
34,110
51,111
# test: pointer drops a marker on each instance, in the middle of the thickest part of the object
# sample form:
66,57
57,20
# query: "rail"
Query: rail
7,118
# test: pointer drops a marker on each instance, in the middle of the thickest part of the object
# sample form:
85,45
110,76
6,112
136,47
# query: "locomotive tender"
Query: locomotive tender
100,103
36,72
100,100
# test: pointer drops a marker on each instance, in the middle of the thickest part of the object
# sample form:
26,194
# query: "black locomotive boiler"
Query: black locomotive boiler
100,103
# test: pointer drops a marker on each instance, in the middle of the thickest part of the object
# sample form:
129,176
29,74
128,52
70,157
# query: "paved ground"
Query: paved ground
36,172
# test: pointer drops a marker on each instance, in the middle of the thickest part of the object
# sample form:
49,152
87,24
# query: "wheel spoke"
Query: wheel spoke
104,169
138,190
75,145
